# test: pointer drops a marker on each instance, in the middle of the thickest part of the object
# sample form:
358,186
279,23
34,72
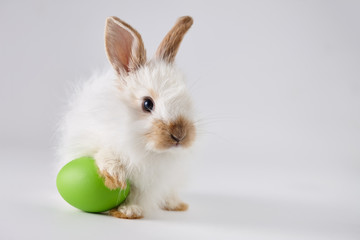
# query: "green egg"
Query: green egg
79,183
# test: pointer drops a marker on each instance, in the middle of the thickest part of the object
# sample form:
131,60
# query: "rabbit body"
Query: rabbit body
136,121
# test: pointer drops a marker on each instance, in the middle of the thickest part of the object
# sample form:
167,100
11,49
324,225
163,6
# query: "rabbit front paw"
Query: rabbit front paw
127,211
113,182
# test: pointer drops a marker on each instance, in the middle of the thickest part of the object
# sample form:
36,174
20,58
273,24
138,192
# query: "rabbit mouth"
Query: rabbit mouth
174,134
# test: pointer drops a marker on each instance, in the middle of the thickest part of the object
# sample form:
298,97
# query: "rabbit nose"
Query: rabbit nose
175,138
180,132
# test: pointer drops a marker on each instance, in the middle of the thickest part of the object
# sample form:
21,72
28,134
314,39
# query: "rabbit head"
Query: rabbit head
159,107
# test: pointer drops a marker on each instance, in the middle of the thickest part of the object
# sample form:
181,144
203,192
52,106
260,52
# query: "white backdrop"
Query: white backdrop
276,82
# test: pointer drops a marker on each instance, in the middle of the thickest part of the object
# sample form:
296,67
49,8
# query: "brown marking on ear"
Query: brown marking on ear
124,46
112,182
163,134
171,43
115,213
180,207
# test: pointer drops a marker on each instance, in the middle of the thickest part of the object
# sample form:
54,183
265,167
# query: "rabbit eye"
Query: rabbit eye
148,104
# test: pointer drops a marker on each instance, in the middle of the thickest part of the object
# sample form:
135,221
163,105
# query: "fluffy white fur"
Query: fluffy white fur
106,121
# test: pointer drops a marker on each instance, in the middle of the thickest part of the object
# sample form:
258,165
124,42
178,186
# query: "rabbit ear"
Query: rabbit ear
124,46
171,43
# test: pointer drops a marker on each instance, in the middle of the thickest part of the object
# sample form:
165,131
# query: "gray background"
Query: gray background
276,82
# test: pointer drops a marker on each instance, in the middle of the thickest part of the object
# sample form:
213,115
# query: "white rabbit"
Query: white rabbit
137,121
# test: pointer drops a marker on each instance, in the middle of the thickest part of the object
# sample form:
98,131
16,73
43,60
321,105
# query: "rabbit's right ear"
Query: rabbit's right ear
124,46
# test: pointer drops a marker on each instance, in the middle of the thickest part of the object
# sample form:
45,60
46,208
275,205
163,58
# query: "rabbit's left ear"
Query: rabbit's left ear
124,46
171,43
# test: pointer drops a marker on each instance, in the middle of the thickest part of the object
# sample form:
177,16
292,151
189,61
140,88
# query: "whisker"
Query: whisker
194,84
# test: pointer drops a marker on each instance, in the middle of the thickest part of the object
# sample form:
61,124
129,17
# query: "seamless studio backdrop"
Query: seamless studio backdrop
276,82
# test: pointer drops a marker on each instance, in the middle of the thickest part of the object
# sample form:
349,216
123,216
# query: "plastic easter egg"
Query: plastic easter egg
79,183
